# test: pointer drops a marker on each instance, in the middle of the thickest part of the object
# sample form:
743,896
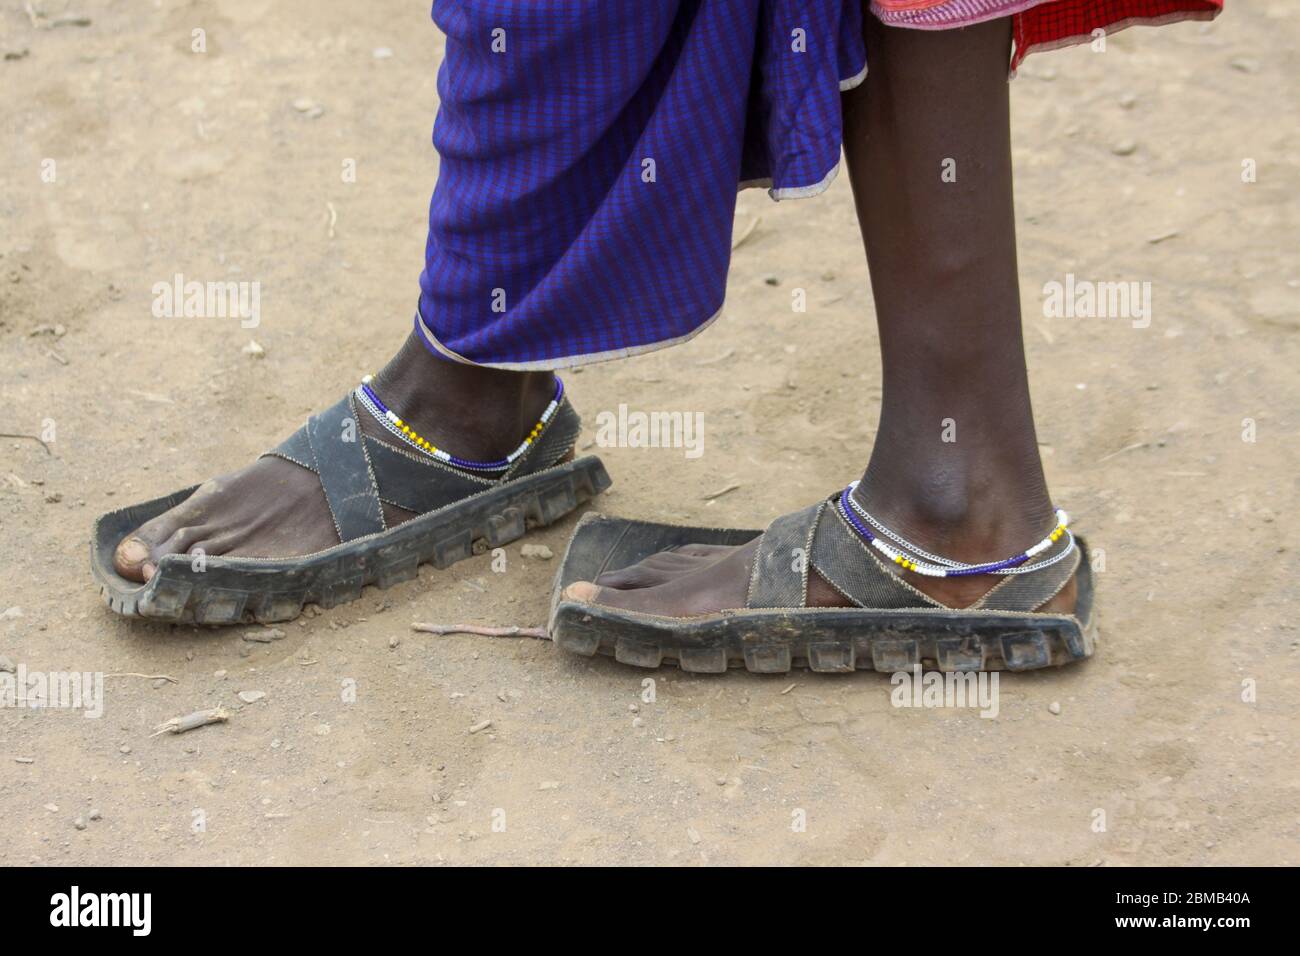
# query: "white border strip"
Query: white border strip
568,361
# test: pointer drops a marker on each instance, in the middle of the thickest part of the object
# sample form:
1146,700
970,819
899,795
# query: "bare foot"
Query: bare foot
704,579
274,508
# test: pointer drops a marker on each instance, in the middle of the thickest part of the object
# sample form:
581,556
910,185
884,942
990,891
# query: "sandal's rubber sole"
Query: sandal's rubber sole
772,641
218,590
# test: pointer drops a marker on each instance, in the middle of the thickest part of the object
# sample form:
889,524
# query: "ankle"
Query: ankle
477,412
961,526
968,522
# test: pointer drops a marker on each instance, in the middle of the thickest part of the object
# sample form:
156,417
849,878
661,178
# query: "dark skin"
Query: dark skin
943,268
274,509
943,273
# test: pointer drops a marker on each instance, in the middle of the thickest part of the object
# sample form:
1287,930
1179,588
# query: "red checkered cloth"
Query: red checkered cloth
1062,22
1043,24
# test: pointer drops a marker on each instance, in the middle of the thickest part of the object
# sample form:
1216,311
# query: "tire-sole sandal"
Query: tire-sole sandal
894,627
459,514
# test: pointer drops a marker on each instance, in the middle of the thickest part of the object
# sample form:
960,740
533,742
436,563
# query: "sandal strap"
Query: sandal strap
418,484
343,466
850,566
556,440
780,574
818,537
1028,592
359,473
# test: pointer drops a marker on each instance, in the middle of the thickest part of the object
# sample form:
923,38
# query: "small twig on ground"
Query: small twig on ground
42,21
29,438
200,718
1133,447
513,631
150,396
166,677
720,493
333,218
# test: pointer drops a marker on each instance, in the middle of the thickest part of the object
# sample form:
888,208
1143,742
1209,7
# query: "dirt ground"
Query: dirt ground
1173,446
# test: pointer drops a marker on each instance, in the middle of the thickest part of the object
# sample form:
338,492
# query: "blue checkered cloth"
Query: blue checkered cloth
590,155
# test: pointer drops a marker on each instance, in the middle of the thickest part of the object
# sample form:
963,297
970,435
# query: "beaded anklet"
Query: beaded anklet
935,566
388,418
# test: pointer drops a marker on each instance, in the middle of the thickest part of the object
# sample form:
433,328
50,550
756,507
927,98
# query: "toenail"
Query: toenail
133,551
581,591
148,570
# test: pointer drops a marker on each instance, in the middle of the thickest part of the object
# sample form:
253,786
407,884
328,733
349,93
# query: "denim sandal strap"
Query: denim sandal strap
556,440
780,574
819,538
359,473
1028,592
849,564
331,446
343,466
419,484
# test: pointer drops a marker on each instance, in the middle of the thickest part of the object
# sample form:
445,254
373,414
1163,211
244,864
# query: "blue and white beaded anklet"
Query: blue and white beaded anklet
934,566
388,418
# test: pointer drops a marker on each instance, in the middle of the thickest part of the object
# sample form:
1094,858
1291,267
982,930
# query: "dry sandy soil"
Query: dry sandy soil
1129,168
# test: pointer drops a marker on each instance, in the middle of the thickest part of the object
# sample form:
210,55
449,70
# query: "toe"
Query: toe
131,558
656,569
649,599
672,561
661,599
703,550
180,541
662,567
584,591
637,576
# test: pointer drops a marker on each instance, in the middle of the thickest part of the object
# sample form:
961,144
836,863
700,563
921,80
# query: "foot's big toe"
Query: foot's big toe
659,599
651,571
583,591
131,559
